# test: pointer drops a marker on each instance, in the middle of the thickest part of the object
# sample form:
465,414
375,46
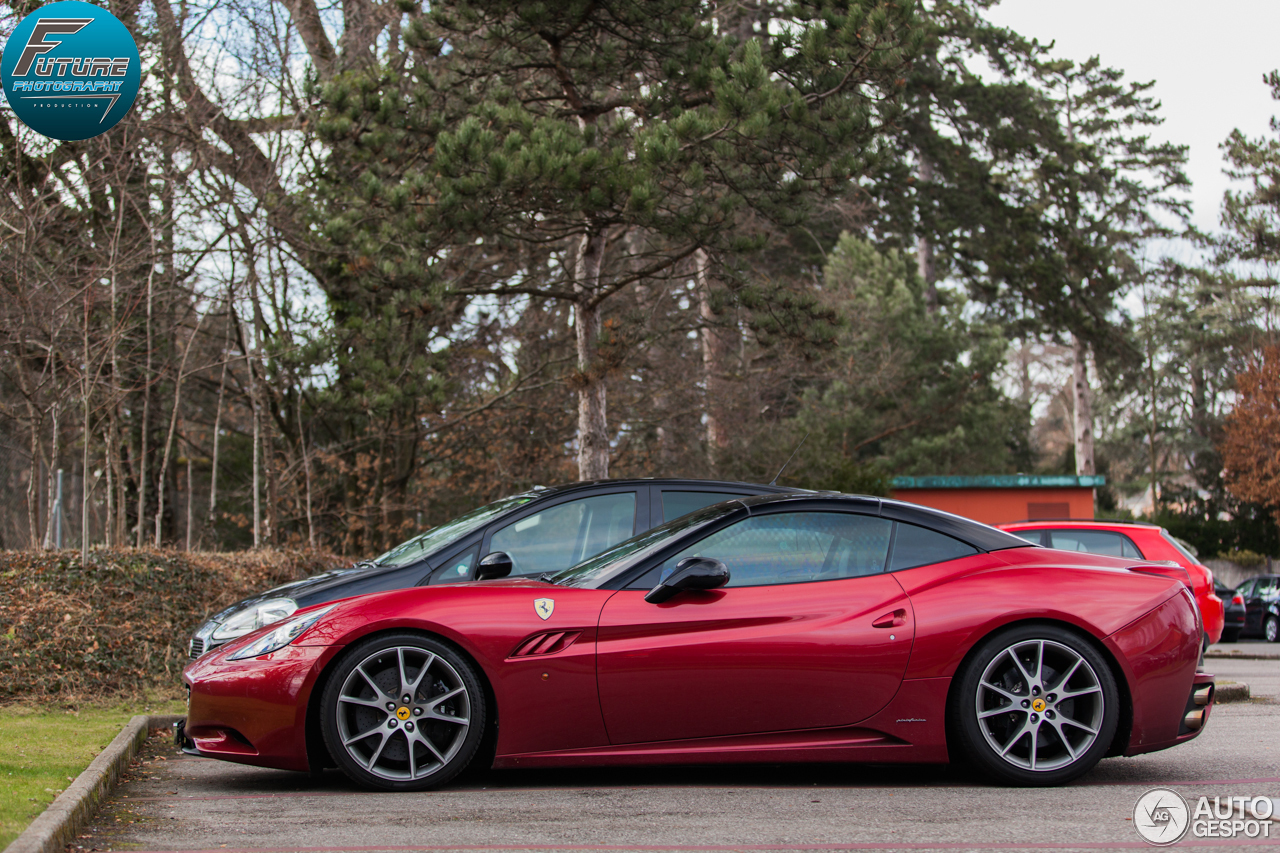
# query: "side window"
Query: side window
1245,589
1035,537
676,504
919,546
458,569
566,534
793,547
1095,542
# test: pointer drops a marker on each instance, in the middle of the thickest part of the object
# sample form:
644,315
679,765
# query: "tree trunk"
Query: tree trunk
35,419
51,495
108,468
306,470
217,417
925,264
174,420
593,436
146,411
715,352
257,460
190,497
85,400
1082,416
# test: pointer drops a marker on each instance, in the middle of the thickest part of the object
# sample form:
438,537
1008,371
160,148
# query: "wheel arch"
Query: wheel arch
1124,725
318,756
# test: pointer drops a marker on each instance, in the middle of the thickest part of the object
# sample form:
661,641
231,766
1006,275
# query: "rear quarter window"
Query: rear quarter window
919,546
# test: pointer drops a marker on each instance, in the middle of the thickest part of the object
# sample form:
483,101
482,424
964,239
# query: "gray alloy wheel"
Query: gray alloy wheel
403,712
1272,629
1037,706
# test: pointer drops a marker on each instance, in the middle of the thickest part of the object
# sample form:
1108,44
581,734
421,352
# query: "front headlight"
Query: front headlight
253,617
282,636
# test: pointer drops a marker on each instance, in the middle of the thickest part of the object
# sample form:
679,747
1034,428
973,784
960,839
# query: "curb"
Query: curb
67,815
1238,656
1227,691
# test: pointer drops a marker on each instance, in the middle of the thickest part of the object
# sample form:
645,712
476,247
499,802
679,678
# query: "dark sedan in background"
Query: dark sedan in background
1261,597
1233,612
544,530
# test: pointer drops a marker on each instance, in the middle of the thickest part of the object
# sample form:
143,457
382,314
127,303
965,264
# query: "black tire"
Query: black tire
403,712
1056,739
1230,635
1271,629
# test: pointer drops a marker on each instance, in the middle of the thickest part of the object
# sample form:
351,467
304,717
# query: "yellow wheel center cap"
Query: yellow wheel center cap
1038,705
403,713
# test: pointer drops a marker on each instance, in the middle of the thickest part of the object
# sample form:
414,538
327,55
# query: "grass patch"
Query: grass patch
43,750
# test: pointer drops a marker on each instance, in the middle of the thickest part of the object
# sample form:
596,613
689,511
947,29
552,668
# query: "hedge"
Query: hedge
119,626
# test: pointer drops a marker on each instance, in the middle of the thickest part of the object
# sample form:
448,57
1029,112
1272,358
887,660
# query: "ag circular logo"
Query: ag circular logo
1161,816
71,70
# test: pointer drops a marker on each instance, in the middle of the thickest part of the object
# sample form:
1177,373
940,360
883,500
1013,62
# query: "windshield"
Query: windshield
593,572
1184,548
435,538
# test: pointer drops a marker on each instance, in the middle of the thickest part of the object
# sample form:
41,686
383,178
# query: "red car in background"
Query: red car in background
1130,539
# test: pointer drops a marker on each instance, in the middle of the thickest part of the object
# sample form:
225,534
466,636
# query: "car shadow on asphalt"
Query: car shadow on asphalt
734,776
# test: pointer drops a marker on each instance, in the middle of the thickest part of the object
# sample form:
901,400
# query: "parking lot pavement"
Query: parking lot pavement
174,802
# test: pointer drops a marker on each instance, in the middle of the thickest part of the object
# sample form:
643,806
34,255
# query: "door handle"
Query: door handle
896,619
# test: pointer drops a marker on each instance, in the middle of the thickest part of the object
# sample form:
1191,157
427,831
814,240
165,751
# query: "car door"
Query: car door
808,633
553,536
1251,610
1264,593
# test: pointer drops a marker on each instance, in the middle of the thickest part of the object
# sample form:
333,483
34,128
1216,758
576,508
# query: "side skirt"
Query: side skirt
910,729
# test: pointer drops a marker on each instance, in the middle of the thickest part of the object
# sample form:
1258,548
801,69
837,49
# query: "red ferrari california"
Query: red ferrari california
777,628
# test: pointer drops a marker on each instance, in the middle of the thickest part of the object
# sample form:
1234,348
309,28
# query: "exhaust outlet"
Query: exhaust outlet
1194,719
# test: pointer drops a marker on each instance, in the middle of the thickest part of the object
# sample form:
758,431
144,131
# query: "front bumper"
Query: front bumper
254,711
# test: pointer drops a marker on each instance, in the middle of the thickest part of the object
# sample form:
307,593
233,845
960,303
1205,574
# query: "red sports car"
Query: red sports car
1131,539
777,628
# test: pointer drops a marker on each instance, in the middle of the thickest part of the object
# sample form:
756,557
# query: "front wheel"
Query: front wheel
1035,706
403,712
1272,630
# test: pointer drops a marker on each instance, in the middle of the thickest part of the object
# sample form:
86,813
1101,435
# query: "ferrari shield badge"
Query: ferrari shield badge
543,607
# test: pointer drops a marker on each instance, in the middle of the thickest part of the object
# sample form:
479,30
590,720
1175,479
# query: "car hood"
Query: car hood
301,588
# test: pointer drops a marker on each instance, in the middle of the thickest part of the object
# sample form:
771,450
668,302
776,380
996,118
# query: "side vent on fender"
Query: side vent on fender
546,643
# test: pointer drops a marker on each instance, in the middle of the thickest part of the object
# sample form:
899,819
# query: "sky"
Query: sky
1207,59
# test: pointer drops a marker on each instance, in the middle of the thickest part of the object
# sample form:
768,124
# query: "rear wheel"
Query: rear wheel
1230,635
1272,629
403,712
1035,705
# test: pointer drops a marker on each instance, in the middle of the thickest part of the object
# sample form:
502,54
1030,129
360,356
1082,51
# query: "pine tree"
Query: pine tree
1100,197
1252,217
569,151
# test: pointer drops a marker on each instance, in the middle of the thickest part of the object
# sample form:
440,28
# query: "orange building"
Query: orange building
1000,498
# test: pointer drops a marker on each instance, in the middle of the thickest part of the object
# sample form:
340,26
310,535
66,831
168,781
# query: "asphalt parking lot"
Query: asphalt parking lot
170,801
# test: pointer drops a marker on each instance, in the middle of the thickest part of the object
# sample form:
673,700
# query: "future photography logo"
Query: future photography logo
70,70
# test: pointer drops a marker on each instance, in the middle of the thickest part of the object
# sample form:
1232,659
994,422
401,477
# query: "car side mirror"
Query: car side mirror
495,565
690,573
